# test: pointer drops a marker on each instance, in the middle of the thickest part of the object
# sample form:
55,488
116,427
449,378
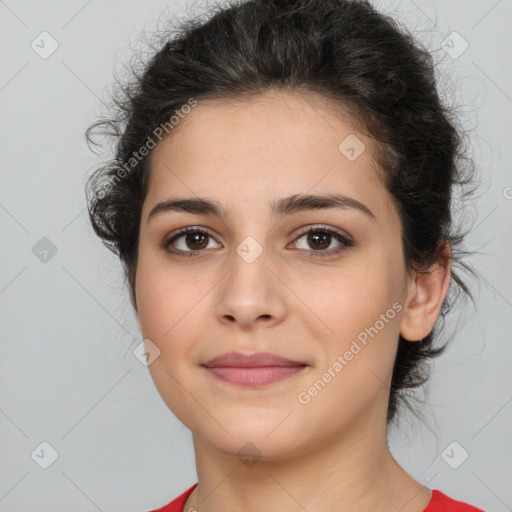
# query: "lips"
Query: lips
258,360
254,370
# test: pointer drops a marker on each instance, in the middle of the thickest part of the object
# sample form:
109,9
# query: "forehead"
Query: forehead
248,151
279,125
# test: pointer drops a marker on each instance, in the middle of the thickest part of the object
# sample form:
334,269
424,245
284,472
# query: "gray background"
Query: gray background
68,374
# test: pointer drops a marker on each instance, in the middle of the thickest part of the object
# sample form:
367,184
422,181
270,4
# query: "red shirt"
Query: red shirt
438,503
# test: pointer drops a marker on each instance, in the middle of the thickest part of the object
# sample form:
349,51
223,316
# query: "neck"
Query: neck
354,471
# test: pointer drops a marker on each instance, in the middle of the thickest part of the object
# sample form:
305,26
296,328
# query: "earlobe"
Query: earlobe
425,298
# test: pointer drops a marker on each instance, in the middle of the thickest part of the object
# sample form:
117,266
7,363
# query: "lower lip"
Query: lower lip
255,377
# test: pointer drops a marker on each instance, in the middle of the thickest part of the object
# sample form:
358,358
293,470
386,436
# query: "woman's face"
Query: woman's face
331,301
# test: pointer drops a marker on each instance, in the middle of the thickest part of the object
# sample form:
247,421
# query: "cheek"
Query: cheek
166,309
347,301
163,297
170,313
355,368
360,309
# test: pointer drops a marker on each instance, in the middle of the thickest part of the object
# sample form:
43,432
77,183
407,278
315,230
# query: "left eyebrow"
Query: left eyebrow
303,202
279,207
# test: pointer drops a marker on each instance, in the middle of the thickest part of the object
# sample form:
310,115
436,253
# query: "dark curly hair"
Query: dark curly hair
342,49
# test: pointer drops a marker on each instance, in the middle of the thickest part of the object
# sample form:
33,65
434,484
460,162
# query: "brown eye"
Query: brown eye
196,240
188,241
318,239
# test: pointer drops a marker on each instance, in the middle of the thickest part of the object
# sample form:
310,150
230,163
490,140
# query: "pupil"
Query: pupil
317,238
194,239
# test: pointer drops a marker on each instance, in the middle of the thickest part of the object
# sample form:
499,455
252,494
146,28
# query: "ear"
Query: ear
427,292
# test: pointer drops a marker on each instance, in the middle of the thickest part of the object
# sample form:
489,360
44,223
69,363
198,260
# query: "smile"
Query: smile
255,376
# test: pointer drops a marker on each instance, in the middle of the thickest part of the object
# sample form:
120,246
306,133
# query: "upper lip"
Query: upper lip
235,359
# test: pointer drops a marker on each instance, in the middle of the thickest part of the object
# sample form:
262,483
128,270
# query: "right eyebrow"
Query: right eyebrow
197,206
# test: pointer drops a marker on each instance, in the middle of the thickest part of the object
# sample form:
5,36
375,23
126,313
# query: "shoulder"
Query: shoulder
442,503
438,503
177,504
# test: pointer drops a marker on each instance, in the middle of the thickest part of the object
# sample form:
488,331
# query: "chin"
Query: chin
254,438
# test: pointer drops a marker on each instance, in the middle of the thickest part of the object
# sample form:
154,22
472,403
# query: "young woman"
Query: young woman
281,202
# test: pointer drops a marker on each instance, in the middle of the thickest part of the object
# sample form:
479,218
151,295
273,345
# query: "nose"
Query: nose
251,294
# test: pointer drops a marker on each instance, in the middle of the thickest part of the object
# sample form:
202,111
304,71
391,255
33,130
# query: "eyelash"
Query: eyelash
344,242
